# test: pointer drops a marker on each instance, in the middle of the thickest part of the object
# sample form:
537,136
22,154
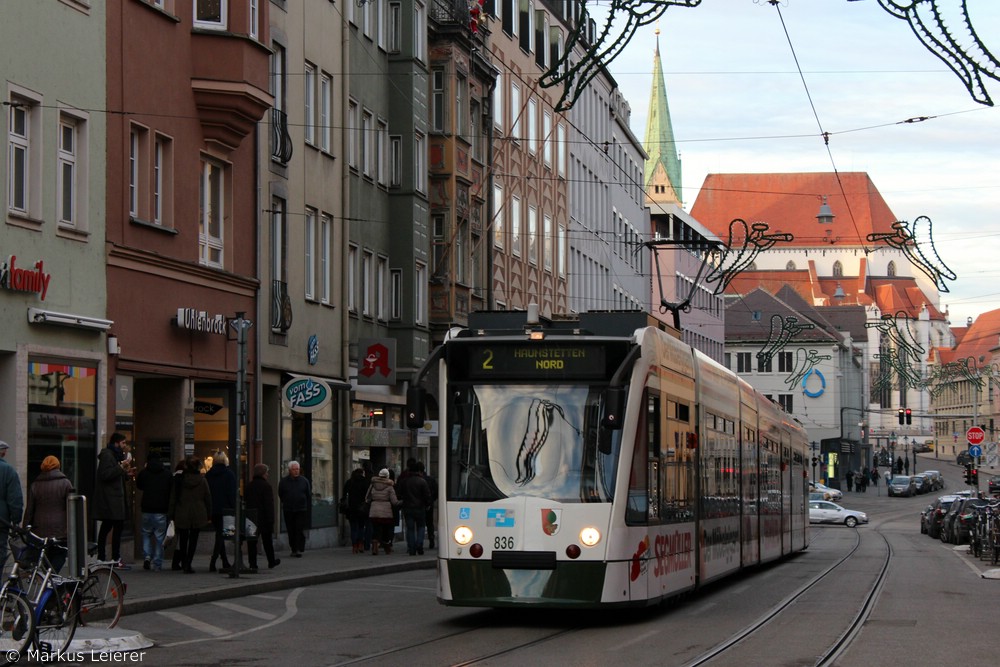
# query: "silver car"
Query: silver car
823,511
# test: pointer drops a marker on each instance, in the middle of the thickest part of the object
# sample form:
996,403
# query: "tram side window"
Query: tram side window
642,504
678,464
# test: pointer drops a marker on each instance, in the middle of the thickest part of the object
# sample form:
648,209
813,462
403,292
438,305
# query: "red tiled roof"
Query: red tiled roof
978,340
789,203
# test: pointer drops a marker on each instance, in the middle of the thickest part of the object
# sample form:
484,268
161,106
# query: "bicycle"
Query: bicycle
101,595
17,624
53,600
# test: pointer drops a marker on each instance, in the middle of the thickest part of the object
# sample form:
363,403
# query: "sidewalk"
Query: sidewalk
147,590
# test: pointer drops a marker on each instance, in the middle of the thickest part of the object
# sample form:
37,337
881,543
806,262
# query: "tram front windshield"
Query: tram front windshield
509,440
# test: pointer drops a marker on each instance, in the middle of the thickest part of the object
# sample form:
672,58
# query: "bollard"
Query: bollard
76,535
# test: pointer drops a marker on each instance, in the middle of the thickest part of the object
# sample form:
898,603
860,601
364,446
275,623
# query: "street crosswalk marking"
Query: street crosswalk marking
249,611
194,623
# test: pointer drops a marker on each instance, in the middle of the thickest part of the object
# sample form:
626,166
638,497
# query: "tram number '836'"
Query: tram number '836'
503,543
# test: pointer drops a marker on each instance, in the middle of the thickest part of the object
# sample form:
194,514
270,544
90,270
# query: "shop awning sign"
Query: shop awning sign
306,394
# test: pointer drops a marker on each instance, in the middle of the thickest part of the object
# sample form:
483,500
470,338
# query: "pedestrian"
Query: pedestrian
45,510
190,510
11,500
415,497
431,526
850,481
175,492
353,506
113,469
155,482
295,493
906,465
382,496
259,498
875,477
222,484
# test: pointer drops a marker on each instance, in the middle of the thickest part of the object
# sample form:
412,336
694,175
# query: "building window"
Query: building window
541,39
310,254
138,170
891,270
22,120
381,275
395,27
325,93
547,138
498,213
498,108
367,18
439,244
532,235
420,163
549,240
515,225
367,130
210,14
790,266
382,152
561,249
515,112
561,149
396,298
743,362
211,213
785,362
395,161
308,101
381,21
460,244
352,132
352,279
460,106
420,31
437,99
254,11
785,401
525,28
765,363
325,263
532,126
163,180
838,269
367,267
420,294
67,169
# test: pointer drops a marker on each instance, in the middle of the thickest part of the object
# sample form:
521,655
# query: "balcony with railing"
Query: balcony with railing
281,141
281,307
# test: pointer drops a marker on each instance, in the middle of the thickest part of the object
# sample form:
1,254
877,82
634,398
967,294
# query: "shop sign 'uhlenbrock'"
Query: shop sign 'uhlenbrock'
199,320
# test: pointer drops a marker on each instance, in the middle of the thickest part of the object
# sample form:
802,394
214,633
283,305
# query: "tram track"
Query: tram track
785,606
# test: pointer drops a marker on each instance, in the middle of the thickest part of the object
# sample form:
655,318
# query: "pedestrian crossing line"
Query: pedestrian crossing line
194,623
249,611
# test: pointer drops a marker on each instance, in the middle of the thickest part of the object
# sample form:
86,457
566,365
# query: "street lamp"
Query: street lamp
815,460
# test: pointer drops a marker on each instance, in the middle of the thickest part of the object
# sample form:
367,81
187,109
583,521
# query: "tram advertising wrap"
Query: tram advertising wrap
600,461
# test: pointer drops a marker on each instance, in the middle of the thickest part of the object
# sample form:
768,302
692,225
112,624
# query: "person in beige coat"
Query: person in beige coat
382,495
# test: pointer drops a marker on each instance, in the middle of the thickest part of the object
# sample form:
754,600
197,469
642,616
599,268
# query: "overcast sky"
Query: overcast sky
738,104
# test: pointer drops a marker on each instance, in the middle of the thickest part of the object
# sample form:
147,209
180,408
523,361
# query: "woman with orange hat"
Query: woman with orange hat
46,507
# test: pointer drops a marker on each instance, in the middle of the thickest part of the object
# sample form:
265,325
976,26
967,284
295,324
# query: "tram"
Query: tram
599,461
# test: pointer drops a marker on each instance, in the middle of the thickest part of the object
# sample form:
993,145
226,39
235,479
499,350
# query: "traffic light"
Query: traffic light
909,416
902,416
968,473
974,477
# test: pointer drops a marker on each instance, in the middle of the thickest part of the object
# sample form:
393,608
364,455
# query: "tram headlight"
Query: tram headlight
463,535
590,536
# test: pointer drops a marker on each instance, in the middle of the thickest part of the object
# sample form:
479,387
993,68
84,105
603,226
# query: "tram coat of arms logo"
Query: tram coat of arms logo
551,520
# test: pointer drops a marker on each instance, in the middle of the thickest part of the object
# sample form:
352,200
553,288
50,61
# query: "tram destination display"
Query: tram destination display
572,361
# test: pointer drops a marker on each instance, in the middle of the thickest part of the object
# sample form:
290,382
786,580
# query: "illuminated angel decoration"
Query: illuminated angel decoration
899,351
745,243
783,329
805,361
942,26
925,258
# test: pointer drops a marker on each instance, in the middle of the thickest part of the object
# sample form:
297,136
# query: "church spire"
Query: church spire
662,176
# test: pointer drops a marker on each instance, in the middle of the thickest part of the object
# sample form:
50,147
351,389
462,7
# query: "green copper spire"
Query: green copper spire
662,177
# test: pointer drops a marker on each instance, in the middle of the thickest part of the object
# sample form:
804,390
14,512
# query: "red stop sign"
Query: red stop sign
975,435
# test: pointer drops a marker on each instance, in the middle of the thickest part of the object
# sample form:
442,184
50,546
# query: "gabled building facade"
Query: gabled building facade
53,289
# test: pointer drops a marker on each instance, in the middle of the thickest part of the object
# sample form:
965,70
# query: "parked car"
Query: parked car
902,485
922,482
831,494
938,479
994,485
963,458
955,526
823,511
941,507
921,448
925,518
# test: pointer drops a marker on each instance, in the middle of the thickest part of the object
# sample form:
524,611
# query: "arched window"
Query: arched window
790,266
838,269
891,270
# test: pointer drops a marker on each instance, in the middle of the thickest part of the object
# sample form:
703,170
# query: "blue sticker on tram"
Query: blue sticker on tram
500,518
464,513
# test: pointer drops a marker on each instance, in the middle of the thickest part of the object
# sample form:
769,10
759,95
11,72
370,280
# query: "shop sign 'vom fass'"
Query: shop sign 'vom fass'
306,394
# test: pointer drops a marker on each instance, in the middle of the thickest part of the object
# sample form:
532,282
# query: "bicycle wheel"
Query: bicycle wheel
102,598
55,622
17,627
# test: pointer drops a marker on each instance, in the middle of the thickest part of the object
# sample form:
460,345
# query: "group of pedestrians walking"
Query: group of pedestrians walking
860,479
373,504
